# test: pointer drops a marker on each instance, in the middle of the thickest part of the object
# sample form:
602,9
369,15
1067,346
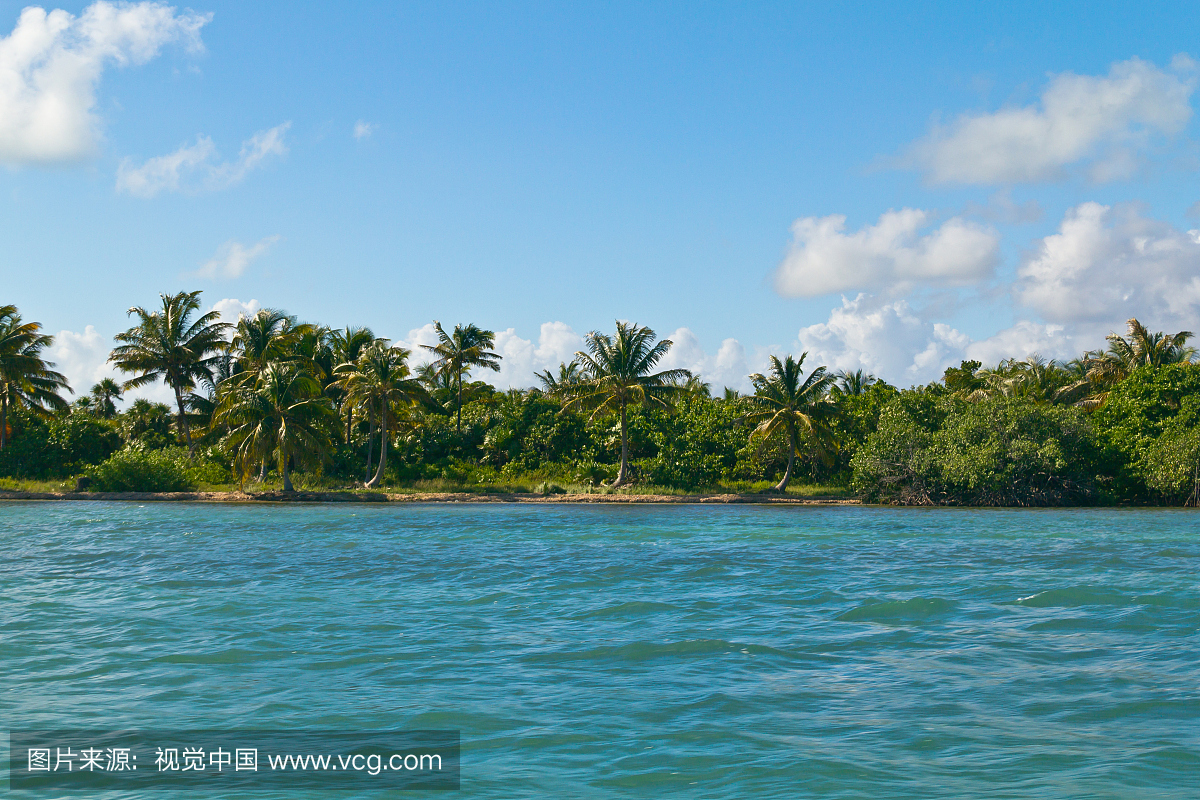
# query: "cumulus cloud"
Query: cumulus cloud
194,168
231,309
232,258
823,258
1105,121
727,367
52,62
83,359
1024,339
363,129
886,339
1106,264
556,343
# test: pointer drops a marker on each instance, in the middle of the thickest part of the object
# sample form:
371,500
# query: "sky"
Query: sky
887,187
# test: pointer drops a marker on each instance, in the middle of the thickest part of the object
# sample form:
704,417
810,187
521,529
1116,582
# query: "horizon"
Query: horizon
892,190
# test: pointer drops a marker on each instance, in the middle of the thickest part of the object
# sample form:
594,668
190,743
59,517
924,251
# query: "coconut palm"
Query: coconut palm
104,397
269,335
282,416
853,384
1106,368
347,345
381,382
786,401
459,352
560,385
1033,378
172,345
26,379
618,372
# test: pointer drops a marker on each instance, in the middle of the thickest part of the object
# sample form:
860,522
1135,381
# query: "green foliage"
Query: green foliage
56,448
998,452
1149,403
137,469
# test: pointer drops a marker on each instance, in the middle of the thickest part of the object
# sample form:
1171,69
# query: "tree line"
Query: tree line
270,398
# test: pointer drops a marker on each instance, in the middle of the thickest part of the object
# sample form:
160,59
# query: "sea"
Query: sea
623,650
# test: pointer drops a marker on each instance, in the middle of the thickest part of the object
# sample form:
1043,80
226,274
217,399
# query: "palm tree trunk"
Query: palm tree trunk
458,422
3,420
787,475
349,422
370,440
371,484
183,424
287,473
623,472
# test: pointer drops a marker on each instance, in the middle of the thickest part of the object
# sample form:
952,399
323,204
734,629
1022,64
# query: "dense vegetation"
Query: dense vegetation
273,401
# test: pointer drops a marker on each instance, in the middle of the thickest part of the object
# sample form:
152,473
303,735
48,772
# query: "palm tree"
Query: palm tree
800,407
618,372
380,381
459,352
104,396
26,379
283,415
1141,349
270,335
560,385
853,384
171,345
1034,378
347,346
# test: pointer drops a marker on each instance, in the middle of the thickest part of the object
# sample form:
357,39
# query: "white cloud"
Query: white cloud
231,310
363,129
886,339
1024,339
557,343
1107,121
1106,264
83,359
51,63
822,258
191,167
727,367
233,257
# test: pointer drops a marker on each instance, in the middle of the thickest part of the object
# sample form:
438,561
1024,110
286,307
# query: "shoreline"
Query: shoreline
426,497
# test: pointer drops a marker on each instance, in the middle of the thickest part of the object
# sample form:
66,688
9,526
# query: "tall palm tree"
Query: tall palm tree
618,371
282,416
458,352
104,397
381,382
269,335
347,346
800,407
26,379
171,345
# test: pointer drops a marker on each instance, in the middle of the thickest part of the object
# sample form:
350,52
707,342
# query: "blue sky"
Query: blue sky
541,169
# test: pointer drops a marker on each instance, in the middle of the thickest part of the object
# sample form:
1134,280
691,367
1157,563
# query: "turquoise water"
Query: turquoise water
634,651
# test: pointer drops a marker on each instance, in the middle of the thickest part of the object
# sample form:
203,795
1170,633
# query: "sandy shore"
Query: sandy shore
420,497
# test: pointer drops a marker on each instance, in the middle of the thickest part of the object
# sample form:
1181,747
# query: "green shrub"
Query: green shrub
1001,452
136,469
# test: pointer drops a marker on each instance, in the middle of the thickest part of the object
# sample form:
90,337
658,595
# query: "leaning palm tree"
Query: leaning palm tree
618,372
799,407
26,379
458,352
282,416
104,397
379,382
171,345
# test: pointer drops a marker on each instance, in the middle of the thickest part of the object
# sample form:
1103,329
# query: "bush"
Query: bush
1001,452
56,448
136,469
